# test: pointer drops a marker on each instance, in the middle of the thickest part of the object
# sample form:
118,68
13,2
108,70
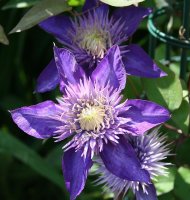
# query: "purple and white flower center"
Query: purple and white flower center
93,40
89,113
91,33
92,118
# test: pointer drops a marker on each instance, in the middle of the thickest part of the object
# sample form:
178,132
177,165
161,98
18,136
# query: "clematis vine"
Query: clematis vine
151,149
91,34
91,114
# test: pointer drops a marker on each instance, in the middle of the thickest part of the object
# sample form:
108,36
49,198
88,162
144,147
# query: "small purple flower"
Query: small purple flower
90,35
151,149
91,114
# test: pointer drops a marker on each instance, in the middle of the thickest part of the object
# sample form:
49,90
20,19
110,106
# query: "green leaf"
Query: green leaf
164,3
121,3
167,196
185,174
12,146
3,37
182,157
181,116
166,91
165,184
182,183
54,156
40,12
19,4
133,88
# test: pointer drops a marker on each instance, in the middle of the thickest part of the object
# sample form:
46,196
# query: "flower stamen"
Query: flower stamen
91,118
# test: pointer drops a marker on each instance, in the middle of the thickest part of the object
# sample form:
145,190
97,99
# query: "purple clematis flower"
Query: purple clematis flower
90,35
151,149
91,114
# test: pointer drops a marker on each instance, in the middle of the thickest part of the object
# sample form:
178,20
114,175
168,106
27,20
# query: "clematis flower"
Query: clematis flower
151,149
92,115
90,35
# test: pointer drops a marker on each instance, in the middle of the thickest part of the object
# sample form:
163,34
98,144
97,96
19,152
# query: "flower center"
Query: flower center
94,42
91,118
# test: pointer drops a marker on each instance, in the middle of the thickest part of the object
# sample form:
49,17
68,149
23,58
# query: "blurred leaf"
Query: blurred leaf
185,173
40,12
19,4
55,156
167,196
133,88
164,3
166,91
165,184
161,3
182,183
10,102
182,157
11,145
3,37
181,116
121,3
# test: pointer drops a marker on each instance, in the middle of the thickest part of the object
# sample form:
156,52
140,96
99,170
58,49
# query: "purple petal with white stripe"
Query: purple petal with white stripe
68,69
121,160
48,79
38,120
75,171
143,115
111,70
151,149
138,63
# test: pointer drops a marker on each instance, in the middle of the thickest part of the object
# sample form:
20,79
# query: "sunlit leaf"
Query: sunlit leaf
12,146
165,184
181,116
164,3
166,91
121,3
40,12
19,4
3,37
185,174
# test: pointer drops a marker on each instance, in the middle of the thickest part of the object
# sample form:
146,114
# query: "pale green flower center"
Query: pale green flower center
94,41
91,118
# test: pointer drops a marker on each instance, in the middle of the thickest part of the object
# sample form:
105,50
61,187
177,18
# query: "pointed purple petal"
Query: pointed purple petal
37,120
121,160
140,195
48,79
68,69
131,16
143,115
111,70
58,26
138,63
75,171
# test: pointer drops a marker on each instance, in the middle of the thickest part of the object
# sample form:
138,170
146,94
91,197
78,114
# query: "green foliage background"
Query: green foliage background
31,169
